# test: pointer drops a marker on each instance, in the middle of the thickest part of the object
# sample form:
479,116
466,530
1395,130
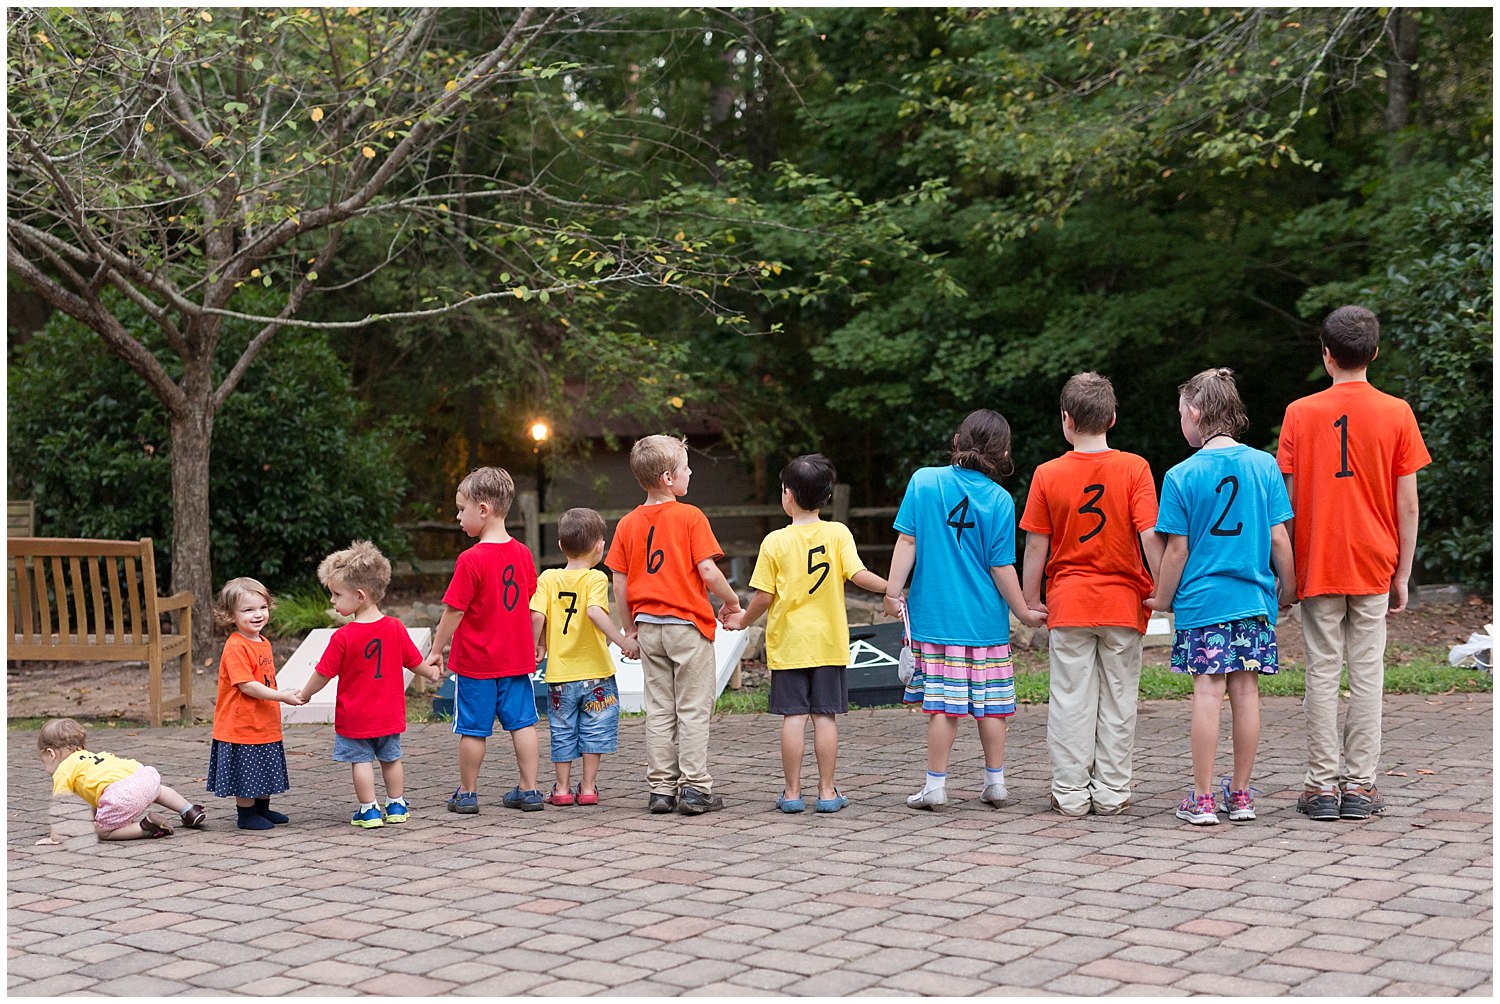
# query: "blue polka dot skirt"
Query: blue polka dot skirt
247,771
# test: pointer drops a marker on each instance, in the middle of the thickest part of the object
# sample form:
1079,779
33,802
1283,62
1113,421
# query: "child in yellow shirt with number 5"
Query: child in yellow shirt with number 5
799,577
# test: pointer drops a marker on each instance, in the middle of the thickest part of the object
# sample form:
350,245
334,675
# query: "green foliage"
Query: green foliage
300,610
292,476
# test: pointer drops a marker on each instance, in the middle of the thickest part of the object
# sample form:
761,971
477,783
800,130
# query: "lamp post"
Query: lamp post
539,435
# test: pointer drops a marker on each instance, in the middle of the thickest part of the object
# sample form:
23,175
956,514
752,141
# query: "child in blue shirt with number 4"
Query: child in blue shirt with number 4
1223,513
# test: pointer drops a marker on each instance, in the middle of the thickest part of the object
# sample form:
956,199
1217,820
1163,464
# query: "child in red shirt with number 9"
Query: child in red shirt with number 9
367,655
489,622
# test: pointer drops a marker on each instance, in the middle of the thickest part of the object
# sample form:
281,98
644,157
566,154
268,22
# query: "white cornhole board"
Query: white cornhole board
299,668
728,647
1159,629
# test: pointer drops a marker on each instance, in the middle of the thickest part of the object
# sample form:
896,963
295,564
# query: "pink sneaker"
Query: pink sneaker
1198,810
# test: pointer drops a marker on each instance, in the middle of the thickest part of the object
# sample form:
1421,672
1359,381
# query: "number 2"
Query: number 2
1234,491
373,651
812,569
1091,508
1342,424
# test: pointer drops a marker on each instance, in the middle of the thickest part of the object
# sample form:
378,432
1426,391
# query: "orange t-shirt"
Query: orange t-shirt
1094,506
658,547
237,718
1344,448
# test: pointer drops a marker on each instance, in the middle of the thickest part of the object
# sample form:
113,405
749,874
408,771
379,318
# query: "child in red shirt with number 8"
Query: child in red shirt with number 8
367,655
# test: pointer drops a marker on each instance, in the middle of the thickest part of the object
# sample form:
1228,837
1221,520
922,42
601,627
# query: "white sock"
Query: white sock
935,782
996,776
365,806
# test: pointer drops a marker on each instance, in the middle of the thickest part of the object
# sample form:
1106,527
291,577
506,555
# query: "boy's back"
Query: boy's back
804,567
1093,507
1344,448
658,547
576,649
492,584
368,659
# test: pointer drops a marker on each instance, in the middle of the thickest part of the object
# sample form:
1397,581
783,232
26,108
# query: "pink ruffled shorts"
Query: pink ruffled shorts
127,800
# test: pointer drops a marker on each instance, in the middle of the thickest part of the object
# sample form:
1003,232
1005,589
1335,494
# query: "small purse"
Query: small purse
906,663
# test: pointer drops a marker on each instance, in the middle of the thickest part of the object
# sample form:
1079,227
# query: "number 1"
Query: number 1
1342,424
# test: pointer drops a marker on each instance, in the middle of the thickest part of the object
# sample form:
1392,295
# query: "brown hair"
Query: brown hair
492,485
653,457
578,530
1220,410
1089,400
358,566
1351,335
982,444
62,734
229,598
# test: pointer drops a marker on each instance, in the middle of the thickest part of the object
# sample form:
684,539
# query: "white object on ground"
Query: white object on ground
1476,650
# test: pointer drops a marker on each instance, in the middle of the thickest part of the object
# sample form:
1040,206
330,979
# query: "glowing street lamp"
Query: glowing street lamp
540,432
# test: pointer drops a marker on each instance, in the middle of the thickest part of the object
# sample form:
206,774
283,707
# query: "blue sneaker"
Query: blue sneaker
466,802
368,818
396,810
526,801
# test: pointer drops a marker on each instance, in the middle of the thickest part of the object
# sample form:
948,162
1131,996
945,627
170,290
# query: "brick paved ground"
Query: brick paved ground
874,900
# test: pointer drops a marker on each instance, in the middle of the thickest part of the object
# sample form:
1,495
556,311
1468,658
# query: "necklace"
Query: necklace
1218,435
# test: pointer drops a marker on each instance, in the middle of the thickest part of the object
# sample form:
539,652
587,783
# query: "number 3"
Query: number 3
1091,508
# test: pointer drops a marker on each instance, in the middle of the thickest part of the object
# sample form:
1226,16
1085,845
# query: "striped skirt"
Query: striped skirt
961,680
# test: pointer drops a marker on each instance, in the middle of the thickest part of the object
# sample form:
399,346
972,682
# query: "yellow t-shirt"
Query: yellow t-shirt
87,774
576,649
804,568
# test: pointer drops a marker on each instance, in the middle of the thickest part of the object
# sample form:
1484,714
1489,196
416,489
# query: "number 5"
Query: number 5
812,569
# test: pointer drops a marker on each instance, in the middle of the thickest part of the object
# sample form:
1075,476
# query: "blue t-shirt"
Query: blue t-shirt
1225,502
964,525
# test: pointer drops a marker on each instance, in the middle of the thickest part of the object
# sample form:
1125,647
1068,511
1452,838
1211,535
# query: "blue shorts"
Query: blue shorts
583,716
382,748
477,703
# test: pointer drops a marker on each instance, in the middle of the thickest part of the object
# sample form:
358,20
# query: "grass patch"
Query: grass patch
749,701
35,724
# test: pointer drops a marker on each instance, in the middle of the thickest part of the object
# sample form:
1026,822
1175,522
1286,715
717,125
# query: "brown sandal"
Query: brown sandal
155,827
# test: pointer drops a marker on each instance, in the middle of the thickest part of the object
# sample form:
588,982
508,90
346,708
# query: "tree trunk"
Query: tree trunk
192,566
1401,84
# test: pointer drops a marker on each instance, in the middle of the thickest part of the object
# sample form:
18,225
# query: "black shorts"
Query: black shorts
818,690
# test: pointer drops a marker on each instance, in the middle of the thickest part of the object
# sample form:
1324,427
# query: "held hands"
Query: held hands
630,650
1152,603
539,654
894,605
1034,617
434,660
728,611
735,622
292,697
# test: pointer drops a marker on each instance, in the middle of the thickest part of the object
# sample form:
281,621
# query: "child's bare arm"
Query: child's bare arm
903,557
1281,559
1406,531
316,682
866,580
442,636
708,570
759,604
261,692
622,602
539,634
600,618
1174,557
1038,546
1152,546
1010,590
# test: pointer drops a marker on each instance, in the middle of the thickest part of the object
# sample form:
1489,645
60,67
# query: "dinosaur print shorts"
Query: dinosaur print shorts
1245,644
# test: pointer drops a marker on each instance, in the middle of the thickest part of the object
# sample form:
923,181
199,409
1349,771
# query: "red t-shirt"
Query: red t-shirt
237,718
368,659
492,584
1094,506
658,547
1344,448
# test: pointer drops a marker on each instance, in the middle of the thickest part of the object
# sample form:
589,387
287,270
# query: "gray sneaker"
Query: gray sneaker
994,795
934,801
1319,804
1361,803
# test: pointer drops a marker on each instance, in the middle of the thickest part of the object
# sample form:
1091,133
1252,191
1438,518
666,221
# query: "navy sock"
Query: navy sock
250,819
264,810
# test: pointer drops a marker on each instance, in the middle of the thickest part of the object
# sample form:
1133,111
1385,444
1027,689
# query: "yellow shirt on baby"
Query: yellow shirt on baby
87,774
576,649
804,567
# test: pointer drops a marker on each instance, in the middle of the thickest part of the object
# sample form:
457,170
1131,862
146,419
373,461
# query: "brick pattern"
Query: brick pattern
876,899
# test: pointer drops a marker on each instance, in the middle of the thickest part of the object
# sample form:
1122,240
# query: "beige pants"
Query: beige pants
1337,628
1096,676
677,663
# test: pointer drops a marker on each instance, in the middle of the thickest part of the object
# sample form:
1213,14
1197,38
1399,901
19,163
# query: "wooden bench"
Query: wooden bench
95,600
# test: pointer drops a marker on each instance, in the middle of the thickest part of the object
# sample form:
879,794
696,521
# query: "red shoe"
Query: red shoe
559,798
592,798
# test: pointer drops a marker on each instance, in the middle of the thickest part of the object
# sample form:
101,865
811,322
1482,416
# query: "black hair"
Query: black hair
811,478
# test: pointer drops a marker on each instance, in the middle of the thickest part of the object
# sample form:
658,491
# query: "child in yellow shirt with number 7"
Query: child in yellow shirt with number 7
799,576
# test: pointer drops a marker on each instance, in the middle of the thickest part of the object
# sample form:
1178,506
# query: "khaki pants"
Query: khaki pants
677,663
1096,676
1337,628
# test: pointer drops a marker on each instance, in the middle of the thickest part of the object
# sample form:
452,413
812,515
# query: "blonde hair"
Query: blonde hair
358,566
654,457
1217,399
62,734
492,485
230,595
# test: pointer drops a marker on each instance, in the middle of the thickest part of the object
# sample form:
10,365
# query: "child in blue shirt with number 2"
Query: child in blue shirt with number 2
957,540
1223,513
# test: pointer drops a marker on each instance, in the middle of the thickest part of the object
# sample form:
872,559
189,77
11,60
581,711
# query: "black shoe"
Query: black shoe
694,802
1320,805
661,803
1360,803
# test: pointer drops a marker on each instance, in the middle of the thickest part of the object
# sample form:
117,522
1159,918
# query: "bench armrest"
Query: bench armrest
177,601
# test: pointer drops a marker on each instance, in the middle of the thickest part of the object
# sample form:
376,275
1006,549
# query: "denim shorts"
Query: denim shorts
583,717
382,748
477,703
